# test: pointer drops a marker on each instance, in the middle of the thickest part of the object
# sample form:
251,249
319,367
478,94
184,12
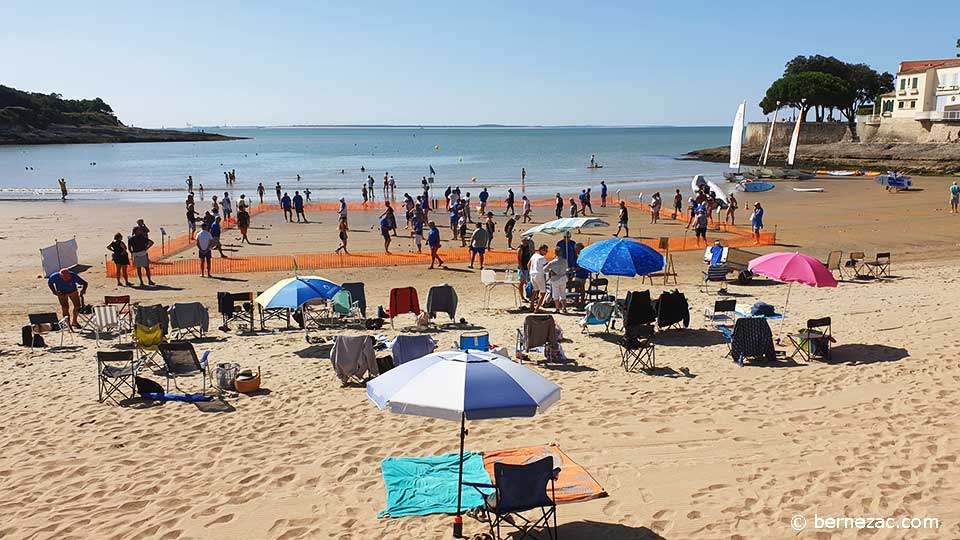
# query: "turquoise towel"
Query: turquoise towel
419,486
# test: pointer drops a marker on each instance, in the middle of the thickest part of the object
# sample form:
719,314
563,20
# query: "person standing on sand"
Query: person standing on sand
191,220
279,189
588,205
483,196
243,223
756,221
700,226
342,231
63,285
523,179
298,206
287,205
121,258
509,200
385,232
306,194
538,277
677,205
433,240
138,245
63,189
622,221
732,206
260,191
655,204
524,252
508,230
526,210
478,244
242,203
954,197
215,231
559,208
190,183
201,192
557,276
205,250
603,194
573,208
416,231
227,205
491,227
363,193
342,211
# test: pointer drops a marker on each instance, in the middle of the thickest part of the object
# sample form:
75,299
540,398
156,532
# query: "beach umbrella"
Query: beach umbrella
620,257
563,225
792,268
463,385
294,292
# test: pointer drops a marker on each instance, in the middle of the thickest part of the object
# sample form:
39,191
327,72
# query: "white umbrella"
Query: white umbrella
562,225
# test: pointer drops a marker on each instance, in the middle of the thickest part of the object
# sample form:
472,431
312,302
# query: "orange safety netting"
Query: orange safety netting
742,237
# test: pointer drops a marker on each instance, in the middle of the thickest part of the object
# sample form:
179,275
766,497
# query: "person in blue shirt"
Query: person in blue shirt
298,206
433,240
385,227
286,205
215,231
417,233
64,284
954,197
756,221
483,196
568,250
603,194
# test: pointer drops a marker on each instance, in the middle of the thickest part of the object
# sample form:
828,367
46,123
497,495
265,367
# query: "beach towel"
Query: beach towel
574,483
353,356
420,486
442,299
672,308
189,315
406,348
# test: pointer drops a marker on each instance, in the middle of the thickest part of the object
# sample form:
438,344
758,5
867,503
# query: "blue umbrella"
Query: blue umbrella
456,385
294,292
621,257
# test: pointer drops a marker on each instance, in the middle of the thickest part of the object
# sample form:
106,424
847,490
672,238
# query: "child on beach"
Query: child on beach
120,256
215,231
655,204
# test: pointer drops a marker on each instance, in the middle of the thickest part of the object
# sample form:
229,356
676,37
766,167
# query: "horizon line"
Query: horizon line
442,126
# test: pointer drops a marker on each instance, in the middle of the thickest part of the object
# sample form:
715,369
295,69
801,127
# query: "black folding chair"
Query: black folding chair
723,313
597,290
636,347
814,340
180,359
116,374
518,489
236,307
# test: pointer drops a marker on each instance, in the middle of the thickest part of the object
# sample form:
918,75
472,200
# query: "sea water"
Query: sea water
634,159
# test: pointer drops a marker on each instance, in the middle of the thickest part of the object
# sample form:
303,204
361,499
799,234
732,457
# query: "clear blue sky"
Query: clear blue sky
451,62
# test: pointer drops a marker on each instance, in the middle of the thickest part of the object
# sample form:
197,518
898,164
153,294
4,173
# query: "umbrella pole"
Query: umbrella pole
786,303
458,523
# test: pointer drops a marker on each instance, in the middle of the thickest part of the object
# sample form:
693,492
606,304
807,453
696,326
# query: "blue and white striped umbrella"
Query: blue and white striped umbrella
294,292
457,385
562,225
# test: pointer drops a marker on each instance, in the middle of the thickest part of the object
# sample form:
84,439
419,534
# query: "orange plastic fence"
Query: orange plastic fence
741,237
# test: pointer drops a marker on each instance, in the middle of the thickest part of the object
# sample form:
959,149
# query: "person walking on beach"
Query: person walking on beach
63,189
732,206
756,221
205,250
363,193
342,211
462,229
526,209
588,205
227,205
700,226
226,177
243,222
279,189
559,208
287,205
201,192
508,228
523,179
63,284
509,200
677,205
370,182
478,244
342,231
433,240
138,245
298,206
466,207
393,187
603,194
306,193
655,204
385,232
954,197
215,231
483,196
491,227
391,217
416,232
191,220
622,221
121,258
260,191
446,197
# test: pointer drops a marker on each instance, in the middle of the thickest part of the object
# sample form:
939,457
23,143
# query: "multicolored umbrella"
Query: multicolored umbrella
294,292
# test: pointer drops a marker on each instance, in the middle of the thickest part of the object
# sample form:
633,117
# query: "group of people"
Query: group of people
135,247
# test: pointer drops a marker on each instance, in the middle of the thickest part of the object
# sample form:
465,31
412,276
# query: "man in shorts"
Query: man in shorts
478,244
298,206
538,277
417,232
138,246
524,254
433,240
287,205
954,197
557,277
205,249
756,221
700,226
385,232
64,285
215,231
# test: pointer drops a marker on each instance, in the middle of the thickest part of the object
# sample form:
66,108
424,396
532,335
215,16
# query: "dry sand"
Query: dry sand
728,453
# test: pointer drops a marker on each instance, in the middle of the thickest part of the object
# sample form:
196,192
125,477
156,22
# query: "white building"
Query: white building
923,107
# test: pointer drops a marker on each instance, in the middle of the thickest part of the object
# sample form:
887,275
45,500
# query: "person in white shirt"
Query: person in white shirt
343,209
557,276
538,277
205,248
526,209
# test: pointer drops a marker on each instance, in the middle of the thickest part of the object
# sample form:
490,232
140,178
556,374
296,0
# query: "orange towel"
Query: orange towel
574,484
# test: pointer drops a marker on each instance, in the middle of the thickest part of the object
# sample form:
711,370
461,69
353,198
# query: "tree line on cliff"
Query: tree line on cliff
35,110
825,84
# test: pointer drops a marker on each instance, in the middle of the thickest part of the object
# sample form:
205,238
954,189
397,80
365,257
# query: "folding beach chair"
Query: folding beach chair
814,340
715,273
189,319
124,310
313,315
236,307
540,330
343,307
116,374
835,262
48,323
147,340
406,348
672,309
105,319
403,300
636,346
879,267
152,315
722,314
357,295
475,341
273,314
442,299
599,314
353,358
597,290
751,339
576,293
854,263
180,360
519,489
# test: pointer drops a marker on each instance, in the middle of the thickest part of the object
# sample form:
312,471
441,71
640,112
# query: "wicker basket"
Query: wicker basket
246,385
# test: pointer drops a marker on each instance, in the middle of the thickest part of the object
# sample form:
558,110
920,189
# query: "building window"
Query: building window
913,104
955,77
915,83
903,84
900,104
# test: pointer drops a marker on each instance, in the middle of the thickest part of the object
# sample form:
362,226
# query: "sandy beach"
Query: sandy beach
724,453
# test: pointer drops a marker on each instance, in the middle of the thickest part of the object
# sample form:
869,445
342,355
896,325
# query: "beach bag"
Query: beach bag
147,386
226,374
375,323
762,309
26,336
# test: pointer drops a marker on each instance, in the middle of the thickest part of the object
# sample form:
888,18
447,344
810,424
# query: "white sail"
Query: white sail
736,137
795,139
766,147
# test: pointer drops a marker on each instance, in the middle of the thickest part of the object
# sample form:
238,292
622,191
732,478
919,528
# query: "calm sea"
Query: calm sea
556,159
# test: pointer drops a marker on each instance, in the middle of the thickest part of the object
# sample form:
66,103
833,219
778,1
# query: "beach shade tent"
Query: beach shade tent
621,257
461,386
291,293
792,268
564,225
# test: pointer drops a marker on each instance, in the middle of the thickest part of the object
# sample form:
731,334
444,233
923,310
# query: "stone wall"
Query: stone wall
909,130
810,133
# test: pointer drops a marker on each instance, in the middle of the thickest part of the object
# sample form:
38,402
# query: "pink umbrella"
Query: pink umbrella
792,268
